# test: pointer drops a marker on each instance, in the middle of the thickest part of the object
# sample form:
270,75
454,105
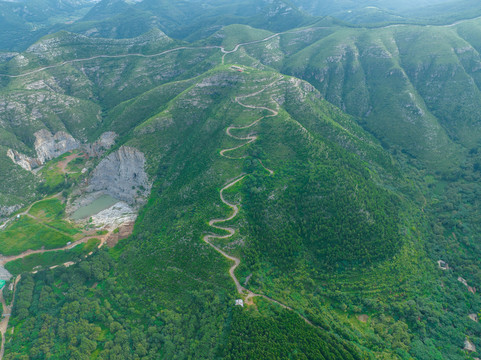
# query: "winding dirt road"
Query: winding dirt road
26,212
6,259
235,209
247,294
221,48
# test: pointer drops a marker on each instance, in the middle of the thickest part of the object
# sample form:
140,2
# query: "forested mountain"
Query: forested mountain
388,11
240,180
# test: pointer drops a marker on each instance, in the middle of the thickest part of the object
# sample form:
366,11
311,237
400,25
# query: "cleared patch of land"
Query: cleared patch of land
48,259
40,227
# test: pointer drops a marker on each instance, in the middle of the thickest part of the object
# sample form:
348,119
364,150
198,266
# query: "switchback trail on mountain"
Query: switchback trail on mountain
246,293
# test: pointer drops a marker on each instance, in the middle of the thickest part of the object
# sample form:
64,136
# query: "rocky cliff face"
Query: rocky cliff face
24,161
122,175
115,216
7,210
105,142
49,146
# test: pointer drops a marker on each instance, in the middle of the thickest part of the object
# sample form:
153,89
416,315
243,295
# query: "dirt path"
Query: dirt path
235,209
62,165
7,310
8,221
6,259
26,212
40,221
249,138
221,48
244,292
236,47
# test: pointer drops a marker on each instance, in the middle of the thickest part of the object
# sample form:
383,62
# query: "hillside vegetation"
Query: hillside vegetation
358,160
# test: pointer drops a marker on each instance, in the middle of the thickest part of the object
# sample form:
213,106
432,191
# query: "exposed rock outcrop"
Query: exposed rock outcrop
473,317
105,142
469,346
7,210
4,274
49,146
24,161
443,265
122,176
114,216
465,283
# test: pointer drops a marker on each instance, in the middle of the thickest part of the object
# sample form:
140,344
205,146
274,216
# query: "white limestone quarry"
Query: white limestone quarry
50,146
122,176
116,215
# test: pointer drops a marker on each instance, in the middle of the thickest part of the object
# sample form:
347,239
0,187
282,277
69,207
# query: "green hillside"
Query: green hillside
22,22
317,174
291,144
396,80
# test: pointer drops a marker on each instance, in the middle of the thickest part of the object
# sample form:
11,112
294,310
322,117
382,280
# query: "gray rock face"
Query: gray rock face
473,317
7,210
122,176
4,274
50,146
24,161
469,346
105,142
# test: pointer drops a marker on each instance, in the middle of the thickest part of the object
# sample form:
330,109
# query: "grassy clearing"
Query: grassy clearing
56,177
52,211
47,229
26,233
39,261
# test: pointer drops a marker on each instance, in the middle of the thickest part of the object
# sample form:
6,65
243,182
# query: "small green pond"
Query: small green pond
102,203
